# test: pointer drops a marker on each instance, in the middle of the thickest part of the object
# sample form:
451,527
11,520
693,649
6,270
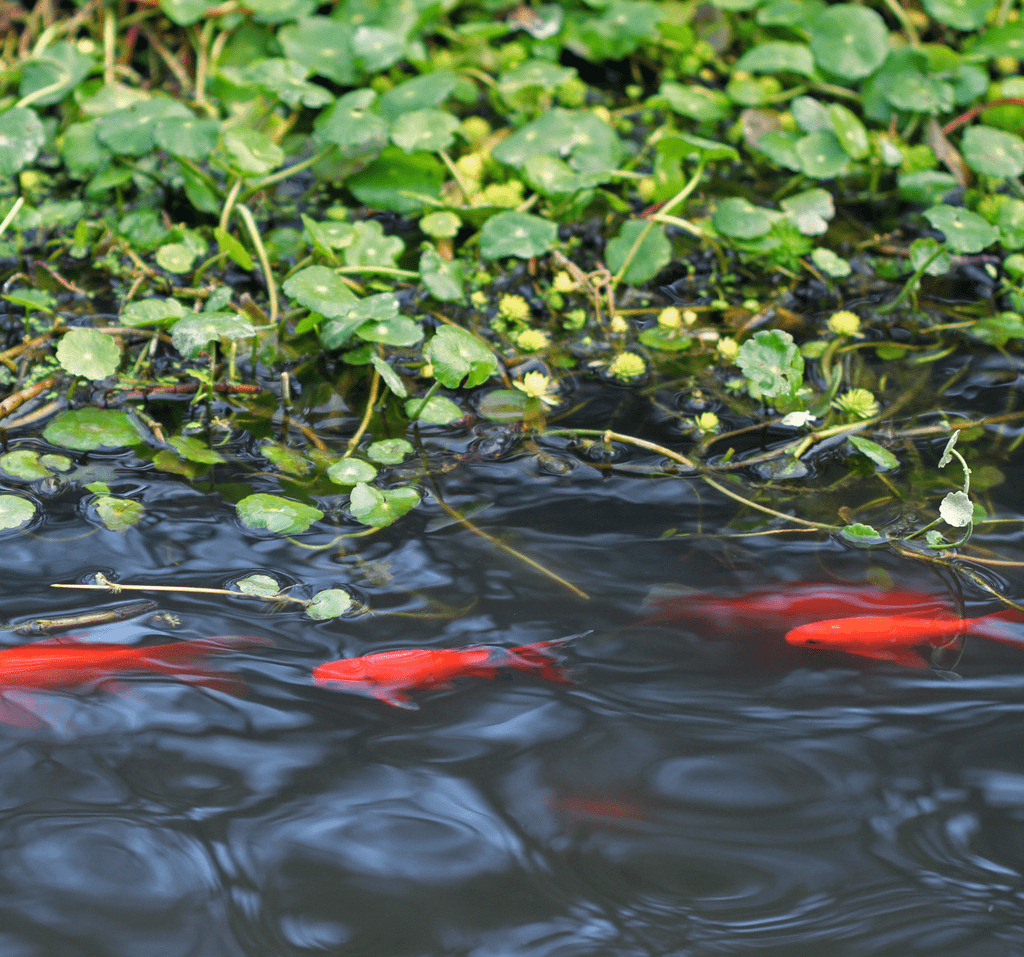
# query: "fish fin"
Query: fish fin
541,660
665,603
999,627
12,713
398,699
908,657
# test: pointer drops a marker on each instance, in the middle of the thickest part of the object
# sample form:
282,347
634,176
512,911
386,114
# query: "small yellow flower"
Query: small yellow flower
508,194
427,370
603,113
476,128
563,282
689,317
627,366
728,348
471,166
844,323
707,422
536,385
479,299
618,326
533,340
514,308
859,403
670,318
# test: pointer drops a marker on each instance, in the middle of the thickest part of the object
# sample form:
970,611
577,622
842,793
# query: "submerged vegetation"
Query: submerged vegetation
773,220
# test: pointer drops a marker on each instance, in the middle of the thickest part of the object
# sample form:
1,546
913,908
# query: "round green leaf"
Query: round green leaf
250,152
830,264
395,331
403,183
350,125
277,514
320,289
15,511
437,411
822,155
190,137
516,234
849,130
440,225
992,152
21,138
351,472
370,247
960,14
24,464
956,509
152,312
430,89
322,45
459,358
88,429
810,210
388,451
777,56
88,353
849,40
772,363
650,258
862,536
741,219
199,329
429,130
260,586
376,507
329,603
694,101
965,232
503,405
444,278
119,514
998,42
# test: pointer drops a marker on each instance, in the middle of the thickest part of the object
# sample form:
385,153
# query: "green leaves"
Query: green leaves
459,358
849,41
88,429
21,138
644,261
277,514
88,353
965,232
377,507
516,234
772,364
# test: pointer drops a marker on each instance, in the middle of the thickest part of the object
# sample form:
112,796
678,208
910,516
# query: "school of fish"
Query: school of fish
900,626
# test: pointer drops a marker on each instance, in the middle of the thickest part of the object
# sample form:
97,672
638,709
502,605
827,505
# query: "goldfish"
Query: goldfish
391,675
777,610
902,638
66,663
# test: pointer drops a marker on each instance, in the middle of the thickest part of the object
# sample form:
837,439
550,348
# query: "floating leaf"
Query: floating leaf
351,472
459,358
516,234
429,130
388,451
88,429
849,41
652,255
503,405
21,138
198,329
152,312
965,232
89,353
288,460
194,450
259,586
15,511
277,514
376,507
320,289
863,536
329,603
881,456
741,219
26,464
993,152
772,363
444,278
119,514
437,411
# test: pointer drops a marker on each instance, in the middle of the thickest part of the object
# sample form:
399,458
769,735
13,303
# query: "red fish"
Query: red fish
391,675
66,663
781,608
905,639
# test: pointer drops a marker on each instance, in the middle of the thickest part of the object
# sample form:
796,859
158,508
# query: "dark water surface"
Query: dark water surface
689,795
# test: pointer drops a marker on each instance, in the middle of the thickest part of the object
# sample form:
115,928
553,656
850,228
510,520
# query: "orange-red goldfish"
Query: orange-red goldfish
391,675
781,608
65,663
904,639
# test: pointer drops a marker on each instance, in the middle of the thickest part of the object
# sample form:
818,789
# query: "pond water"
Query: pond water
689,794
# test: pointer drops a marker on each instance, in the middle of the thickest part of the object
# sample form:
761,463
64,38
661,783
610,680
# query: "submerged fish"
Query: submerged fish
905,639
776,610
391,675
66,663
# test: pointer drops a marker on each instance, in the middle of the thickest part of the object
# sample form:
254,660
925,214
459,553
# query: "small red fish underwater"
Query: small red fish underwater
391,675
66,663
908,639
774,611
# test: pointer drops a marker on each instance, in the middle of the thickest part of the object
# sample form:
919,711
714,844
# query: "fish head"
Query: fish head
876,638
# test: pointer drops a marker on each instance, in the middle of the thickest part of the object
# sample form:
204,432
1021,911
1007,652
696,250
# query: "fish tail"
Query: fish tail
540,658
1002,626
171,658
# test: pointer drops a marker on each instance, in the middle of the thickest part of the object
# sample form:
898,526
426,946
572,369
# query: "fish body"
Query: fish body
775,611
902,638
391,675
65,663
